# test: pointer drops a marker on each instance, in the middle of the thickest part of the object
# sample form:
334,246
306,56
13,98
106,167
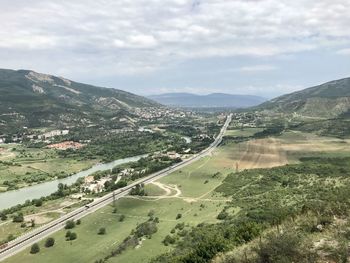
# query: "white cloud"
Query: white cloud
345,51
257,68
136,36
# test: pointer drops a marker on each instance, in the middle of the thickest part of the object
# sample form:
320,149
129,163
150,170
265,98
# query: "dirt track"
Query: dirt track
262,153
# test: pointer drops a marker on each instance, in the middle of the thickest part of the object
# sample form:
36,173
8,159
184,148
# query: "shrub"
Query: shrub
18,218
71,236
38,202
101,231
34,249
70,224
49,242
68,233
121,218
223,215
169,240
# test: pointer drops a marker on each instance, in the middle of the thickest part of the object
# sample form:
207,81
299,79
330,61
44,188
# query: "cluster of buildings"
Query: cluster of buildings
247,119
32,136
156,113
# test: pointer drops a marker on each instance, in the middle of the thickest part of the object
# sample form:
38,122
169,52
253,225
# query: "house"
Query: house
173,155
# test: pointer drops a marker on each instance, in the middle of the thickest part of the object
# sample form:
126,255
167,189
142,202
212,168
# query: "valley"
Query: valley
171,185
193,192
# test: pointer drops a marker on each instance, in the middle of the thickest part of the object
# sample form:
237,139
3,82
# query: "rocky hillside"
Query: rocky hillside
38,100
327,100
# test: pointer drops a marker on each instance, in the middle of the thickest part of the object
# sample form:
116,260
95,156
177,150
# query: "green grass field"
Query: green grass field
197,203
189,191
23,166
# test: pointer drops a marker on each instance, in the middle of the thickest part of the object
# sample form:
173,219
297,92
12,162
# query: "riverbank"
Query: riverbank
15,197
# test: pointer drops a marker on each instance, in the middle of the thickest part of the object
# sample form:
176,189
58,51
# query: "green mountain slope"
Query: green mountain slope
38,100
327,100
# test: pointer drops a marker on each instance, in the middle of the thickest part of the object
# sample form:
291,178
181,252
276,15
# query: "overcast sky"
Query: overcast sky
263,47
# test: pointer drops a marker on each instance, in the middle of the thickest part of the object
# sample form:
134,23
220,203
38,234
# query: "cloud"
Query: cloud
345,51
106,37
257,68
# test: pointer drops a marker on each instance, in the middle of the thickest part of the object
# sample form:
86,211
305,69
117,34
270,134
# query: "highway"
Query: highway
38,234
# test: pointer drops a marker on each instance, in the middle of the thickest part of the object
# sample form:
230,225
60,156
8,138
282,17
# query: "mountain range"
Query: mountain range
214,100
33,99
327,100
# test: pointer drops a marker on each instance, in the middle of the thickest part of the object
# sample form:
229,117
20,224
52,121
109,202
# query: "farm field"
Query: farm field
20,166
190,192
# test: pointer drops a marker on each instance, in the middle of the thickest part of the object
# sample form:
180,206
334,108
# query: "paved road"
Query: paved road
38,234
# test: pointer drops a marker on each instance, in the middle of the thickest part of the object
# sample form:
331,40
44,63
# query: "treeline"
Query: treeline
116,146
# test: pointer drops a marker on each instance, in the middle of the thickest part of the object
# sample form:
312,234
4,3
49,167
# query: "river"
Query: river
12,198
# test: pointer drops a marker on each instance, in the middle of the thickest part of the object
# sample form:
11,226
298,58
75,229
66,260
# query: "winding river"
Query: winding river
12,198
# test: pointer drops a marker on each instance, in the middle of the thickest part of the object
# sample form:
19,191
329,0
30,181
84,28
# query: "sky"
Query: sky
260,47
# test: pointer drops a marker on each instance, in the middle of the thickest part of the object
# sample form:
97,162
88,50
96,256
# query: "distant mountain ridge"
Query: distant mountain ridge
213,100
328,100
32,99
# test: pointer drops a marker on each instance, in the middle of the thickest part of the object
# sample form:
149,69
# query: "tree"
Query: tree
121,218
168,240
38,202
34,249
3,217
223,215
49,242
178,216
70,224
101,231
73,236
78,222
18,218
68,233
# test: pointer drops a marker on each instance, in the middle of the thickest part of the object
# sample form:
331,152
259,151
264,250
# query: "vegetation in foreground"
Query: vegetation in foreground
309,197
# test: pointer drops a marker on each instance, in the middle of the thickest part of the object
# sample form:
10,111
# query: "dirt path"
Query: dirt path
263,153
168,194
163,187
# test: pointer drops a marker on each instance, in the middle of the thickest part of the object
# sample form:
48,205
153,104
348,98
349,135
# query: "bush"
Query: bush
38,202
71,236
68,233
70,224
286,247
101,231
223,215
169,240
18,218
121,218
3,217
49,242
178,216
34,249
78,222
